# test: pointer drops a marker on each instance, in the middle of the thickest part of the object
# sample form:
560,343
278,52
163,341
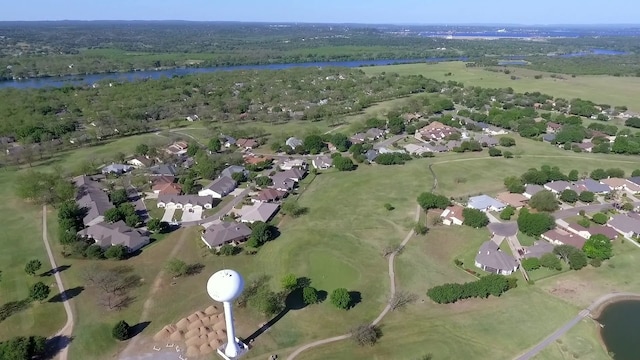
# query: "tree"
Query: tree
507,141
132,220
535,224
310,295
39,291
396,125
569,196
267,301
598,174
475,218
260,233
514,185
571,255
600,218
429,200
112,215
615,173
343,163
263,181
494,152
340,298
401,299
292,208
23,348
142,149
192,148
227,250
507,154
214,145
118,197
341,142
289,282
550,261
544,201
32,266
507,213
573,175
94,252
635,173
587,196
313,144
116,252
153,224
365,334
239,177
598,247
530,264
177,267
121,330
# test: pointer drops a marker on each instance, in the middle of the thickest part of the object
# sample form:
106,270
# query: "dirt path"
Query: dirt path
387,308
157,282
67,329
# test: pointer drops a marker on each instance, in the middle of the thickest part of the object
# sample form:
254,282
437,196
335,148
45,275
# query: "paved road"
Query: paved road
573,322
138,203
389,141
387,308
67,330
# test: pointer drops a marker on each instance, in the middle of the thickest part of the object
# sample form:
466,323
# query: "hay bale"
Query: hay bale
200,314
182,324
204,330
177,336
191,334
215,343
193,351
205,349
194,341
164,334
211,310
220,325
206,321
192,318
222,334
195,324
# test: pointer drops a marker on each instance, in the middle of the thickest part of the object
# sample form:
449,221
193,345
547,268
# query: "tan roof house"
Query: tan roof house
515,200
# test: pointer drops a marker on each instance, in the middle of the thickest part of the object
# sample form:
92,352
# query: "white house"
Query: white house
493,130
185,202
485,203
452,215
293,142
293,163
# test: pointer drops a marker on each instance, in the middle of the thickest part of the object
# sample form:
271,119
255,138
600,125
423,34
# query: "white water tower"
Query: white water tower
225,286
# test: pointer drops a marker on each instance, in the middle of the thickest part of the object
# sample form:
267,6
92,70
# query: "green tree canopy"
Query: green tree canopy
116,252
507,141
32,266
313,144
310,295
550,261
429,200
121,331
544,201
600,218
569,196
574,175
598,247
39,291
598,174
514,185
587,197
535,224
340,298
474,218
260,233
118,197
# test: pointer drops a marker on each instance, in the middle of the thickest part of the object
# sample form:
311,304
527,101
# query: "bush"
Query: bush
365,334
595,262
507,141
492,284
551,261
310,295
507,154
39,291
94,252
392,158
116,252
343,163
584,222
121,330
340,298
388,206
475,218
531,264
569,196
507,213
493,152
600,218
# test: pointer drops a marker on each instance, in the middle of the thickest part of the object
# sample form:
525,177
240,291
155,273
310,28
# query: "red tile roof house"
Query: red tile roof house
435,131
167,189
246,144
452,215
562,237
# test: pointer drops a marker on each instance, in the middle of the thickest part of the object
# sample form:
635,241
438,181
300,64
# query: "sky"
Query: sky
539,12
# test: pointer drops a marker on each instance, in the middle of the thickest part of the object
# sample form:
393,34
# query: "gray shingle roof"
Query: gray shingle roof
230,170
89,195
116,168
186,199
164,169
258,212
625,224
491,256
118,233
223,185
533,189
226,232
592,185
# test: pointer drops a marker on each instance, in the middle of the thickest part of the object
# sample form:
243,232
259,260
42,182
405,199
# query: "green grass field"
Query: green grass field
600,89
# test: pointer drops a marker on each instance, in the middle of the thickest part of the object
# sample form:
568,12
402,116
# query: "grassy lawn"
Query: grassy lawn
153,209
578,343
218,205
597,88
525,240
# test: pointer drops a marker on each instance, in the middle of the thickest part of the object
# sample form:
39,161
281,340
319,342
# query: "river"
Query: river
620,320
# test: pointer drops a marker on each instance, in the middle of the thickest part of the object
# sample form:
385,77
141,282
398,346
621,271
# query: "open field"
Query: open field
600,89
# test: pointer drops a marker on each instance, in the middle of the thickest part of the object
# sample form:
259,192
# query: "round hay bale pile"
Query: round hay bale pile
191,334
163,334
211,310
177,335
205,349
195,324
193,351
182,324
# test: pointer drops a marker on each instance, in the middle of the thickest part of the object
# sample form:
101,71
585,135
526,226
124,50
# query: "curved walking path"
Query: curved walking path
67,329
387,308
573,322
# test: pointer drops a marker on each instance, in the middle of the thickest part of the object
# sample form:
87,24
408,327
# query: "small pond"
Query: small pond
621,321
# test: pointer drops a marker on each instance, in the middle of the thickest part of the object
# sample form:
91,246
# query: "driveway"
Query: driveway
138,203
503,229
168,215
192,215
389,141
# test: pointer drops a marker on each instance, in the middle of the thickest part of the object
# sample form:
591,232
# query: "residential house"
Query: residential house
295,174
409,117
563,237
358,138
192,118
371,155
491,259
246,144
140,162
515,200
485,203
163,170
293,163
625,225
293,142
322,162
532,189
188,162
414,149
254,160
219,187
117,169
435,131
553,128
586,233
270,195
452,215
486,140
156,180
233,169
635,180
185,202
228,141
167,189
621,184
232,233
106,235
374,134
586,146
591,185
259,211
177,148
91,198
494,130
557,187
286,180
550,138
538,249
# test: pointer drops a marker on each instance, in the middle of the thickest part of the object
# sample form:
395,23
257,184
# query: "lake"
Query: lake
621,320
